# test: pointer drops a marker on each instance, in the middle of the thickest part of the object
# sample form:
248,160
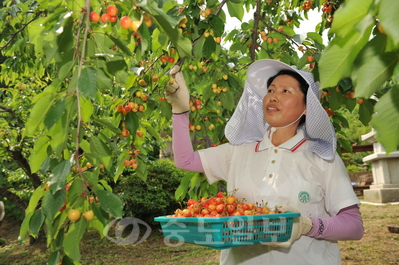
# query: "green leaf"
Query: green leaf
317,38
100,214
217,24
72,239
55,113
365,112
373,73
302,61
33,202
227,100
337,59
342,119
386,120
99,147
39,154
110,203
107,124
195,181
235,10
152,130
103,81
145,40
52,203
389,19
236,46
87,109
181,191
182,44
142,171
374,47
199,46
97,225
345,144
74,194
87,82
54,258
59,134
34,199
350,103
120,165
132,122
91,177
50,48
349,15
65,70
65,40
105,185
212,189
38,113
59,240
24,228
121,45
166,109
36,222
209,47
117,67
58,176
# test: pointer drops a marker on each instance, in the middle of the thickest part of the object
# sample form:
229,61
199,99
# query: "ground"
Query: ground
377,247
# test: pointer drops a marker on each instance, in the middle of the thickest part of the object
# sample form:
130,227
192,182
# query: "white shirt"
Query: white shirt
287,174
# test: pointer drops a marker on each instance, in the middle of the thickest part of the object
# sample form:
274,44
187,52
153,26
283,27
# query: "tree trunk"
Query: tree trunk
23,163
21,205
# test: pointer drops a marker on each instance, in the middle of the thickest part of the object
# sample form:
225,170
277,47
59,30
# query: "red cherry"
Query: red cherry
112,11
105,18
126,22
94,16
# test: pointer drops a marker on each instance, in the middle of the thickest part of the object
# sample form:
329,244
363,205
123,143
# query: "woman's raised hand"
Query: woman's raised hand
176,92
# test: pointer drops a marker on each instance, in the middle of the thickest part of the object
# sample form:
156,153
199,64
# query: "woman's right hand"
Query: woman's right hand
176,92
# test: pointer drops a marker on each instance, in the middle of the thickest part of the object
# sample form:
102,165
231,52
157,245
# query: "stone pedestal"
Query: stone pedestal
385,168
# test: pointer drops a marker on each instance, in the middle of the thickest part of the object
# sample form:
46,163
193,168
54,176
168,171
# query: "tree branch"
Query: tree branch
6,109
218,10
13,35
257,17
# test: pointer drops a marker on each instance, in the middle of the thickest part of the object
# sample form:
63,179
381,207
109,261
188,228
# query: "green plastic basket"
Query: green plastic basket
229,231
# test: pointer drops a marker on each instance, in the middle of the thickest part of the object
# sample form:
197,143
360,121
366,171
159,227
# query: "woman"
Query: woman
281,150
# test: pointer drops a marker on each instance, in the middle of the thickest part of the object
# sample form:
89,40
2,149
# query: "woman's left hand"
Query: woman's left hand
301,226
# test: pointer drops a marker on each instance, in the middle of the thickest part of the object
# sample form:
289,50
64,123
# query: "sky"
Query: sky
306,25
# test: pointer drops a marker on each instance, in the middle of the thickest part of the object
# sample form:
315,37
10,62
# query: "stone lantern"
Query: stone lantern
385,168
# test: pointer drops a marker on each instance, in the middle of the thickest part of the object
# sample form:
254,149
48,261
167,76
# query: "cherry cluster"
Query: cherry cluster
222,205
327,7
307,5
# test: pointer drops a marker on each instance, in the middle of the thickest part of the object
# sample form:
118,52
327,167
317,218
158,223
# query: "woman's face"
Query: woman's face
284,101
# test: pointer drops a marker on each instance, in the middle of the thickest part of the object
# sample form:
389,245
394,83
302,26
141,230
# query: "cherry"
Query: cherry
94,17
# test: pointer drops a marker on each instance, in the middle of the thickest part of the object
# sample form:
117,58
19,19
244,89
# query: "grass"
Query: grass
378,246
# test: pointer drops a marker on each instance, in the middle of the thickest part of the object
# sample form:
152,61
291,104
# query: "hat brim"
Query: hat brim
260,71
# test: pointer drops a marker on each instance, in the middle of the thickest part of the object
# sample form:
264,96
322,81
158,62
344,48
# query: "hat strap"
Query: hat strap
300,116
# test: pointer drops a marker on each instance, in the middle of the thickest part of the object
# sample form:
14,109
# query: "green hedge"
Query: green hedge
153,197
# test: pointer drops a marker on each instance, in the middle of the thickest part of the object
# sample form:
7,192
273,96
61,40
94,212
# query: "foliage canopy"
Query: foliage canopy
74,93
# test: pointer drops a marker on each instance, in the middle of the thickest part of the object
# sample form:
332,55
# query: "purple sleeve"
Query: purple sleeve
184,155
346,225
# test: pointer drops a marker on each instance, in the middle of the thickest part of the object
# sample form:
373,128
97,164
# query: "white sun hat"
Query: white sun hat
248,124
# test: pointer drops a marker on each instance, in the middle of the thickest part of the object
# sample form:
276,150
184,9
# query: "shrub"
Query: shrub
153,197
353,168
